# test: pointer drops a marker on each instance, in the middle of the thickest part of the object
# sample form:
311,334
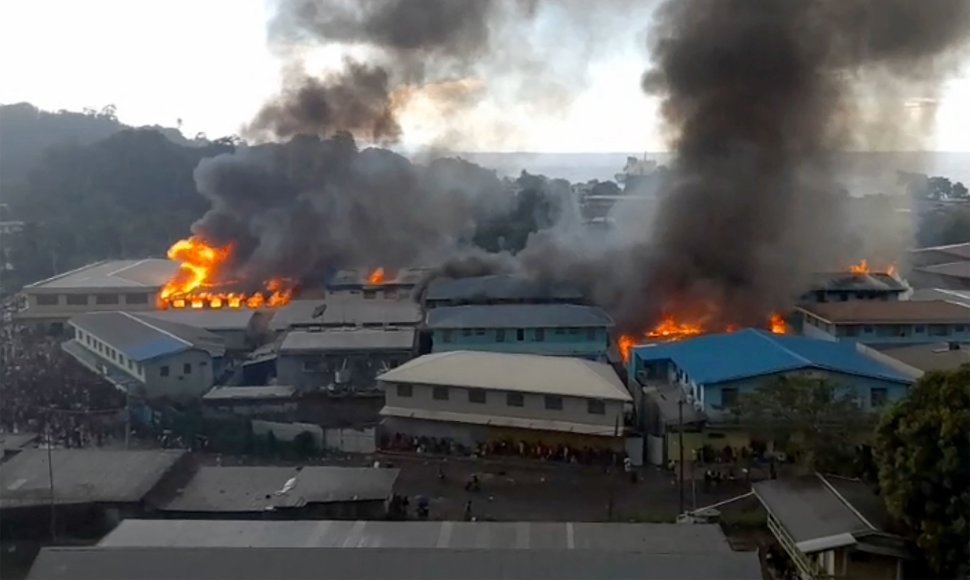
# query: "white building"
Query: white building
476,397
129,285
150,358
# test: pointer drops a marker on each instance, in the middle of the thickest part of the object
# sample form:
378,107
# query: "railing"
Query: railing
806,567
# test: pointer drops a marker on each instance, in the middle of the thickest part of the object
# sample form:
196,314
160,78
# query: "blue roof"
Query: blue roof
142,338
719,358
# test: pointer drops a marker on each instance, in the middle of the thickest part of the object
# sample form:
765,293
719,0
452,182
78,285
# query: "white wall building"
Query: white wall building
129,285
476,397
151,357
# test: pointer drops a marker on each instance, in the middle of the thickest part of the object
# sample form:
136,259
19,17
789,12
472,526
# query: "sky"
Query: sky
208,63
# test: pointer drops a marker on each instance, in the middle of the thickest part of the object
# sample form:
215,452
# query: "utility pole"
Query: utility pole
127,414
50,476
680,445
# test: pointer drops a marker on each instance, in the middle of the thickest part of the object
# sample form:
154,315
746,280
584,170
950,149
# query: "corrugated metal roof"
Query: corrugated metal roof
341,339
385,564
143,338
208,319
347,311
747,353
922,294
500,421
959,269
392,277
114,274
83,475
498,287
848,281
552,375
255,489
254,392
519,316
931,357
893,311
613,537
957,250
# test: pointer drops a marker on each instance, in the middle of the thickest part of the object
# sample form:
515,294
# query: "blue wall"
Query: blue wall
584,342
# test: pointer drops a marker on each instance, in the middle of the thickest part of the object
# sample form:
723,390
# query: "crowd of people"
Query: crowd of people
560,452
44,390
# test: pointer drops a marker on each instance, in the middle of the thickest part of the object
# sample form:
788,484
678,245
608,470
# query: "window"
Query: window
163,371
590,334
187,369
131,365
48,299
520,334
370,294
559,331
440,394
106,298
136,298
476,396
479,332
939,330
596,407
959,328
540,334
867,329
446,336
553,403
729,397
500,335
311,366
514,400
404,390
878,396
844,296
77,299
919,329
466,332
850,330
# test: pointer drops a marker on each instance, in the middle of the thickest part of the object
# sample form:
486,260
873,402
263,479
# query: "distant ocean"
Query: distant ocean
862,173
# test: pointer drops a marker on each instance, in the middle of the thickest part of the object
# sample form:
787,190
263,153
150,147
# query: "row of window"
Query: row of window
503,334
512,398
85,299
163,370
108,352
900,330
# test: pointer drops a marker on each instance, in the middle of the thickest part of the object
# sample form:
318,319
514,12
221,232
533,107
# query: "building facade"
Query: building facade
848,286
497,289
892,323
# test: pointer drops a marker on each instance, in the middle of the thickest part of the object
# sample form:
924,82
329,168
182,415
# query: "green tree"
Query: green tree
923,452
813,418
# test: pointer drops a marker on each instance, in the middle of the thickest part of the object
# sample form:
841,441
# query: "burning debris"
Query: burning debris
376,278
863,268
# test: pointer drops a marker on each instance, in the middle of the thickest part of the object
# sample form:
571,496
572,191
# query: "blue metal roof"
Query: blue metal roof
719,358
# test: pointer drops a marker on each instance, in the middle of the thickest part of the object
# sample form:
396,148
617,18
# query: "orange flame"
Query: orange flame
778,325
200,266
670,330
863,268
376,277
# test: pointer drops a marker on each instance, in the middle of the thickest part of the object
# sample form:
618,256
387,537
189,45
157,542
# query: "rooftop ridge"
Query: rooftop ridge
777,343
65,274
161,330
845,502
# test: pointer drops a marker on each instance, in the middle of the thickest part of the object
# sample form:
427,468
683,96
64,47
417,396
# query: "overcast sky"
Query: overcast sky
207,62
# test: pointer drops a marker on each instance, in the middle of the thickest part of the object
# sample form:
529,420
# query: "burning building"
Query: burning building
857,282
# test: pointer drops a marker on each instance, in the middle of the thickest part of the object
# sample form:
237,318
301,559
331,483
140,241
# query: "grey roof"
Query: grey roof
649,538
347,311
847,281
815,515
498,287
961,296
83,475
519,316
253,392
255,489
931,357
143,338
122,275
296,312
344,339
956,269
392,277
961,250
384,563
208,319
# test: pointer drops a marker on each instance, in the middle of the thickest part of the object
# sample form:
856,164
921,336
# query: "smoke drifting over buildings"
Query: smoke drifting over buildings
757,98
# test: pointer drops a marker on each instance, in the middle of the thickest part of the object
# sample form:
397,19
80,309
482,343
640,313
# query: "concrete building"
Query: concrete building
847,286
832,527
240,329
708,374
497,289
253,401
888,323
130,285
479,397
346,358
392,284
941,267
145,356
311,492
544,329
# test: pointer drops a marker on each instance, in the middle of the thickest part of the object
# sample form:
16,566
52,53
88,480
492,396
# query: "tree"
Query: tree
810,417
959,191
923,452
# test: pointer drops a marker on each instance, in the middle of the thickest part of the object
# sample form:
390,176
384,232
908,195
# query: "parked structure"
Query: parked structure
703,377
546,329
130,285
145,356
315,358
479,397
283,493
833,527
497,289
848,286
888,323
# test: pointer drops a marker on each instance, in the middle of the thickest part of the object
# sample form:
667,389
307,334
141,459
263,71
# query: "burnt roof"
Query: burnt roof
847,281
902,311
498,287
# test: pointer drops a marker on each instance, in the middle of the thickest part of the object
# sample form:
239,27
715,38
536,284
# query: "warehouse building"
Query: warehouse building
480,397
848,286
542,329
703,377
346,358
130,285
497,289
883,324
145,356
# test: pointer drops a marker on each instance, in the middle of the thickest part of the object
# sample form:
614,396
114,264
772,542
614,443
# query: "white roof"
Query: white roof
499,421
150,273
342,339
548,375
